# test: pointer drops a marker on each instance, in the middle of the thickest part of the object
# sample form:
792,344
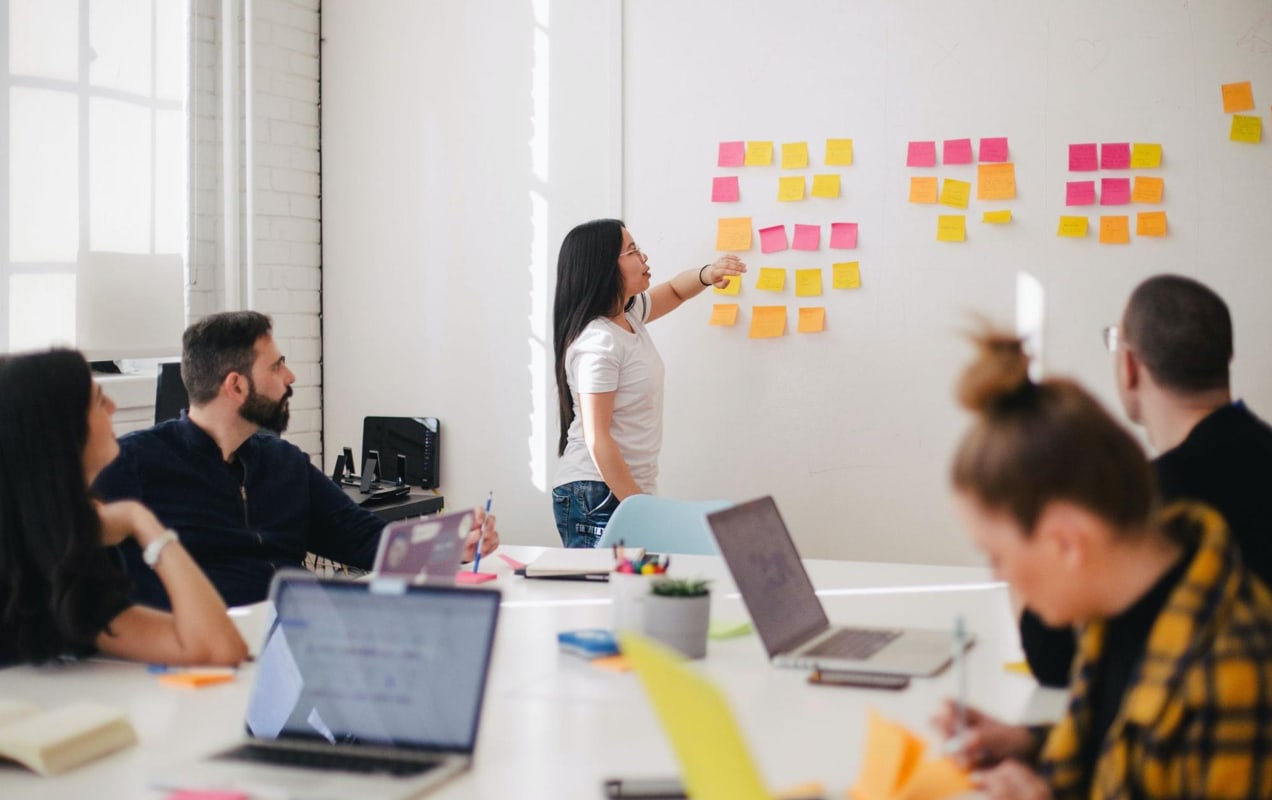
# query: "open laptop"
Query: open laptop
785,610
362,689
428,548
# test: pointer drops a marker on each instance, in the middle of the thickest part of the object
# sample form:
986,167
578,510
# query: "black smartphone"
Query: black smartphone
645,788
865,680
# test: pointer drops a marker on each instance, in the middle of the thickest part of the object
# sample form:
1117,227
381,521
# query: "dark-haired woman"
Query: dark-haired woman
62,593
1173,689
608,373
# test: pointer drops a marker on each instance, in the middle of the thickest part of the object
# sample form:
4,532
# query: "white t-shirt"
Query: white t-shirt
607,358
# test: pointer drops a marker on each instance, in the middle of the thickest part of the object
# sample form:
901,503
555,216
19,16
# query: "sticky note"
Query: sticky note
732,287
1146,156
196,679
759,154
771,279
951,228
923,190
768,322
724,629
616,663
825,186
1082,158
724,314
995,182
1115,191
205,794
921,154
1073,227
733,233
957,151
1237,97
808,283
812,319
773,239
790,187
794,155
1115,155
1147,190
724,190
807,237
1115,230
892,754
838,152
732,154
997,217
846,275
843,235
1079,193
955,193
993,149
1150,223
1018,668
1246,129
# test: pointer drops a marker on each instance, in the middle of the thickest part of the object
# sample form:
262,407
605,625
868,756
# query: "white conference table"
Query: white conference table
555,726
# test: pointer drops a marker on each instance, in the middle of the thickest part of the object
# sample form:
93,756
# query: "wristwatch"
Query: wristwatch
151,554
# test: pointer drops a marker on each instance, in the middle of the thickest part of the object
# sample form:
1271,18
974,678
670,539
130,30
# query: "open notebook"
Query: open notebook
577,563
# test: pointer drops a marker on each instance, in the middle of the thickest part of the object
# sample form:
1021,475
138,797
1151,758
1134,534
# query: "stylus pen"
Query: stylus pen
481,534
960,663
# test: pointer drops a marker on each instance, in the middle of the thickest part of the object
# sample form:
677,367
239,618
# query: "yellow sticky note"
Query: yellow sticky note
759,154
997,217
923,190
951,228
812,319
1115,230
732,288
733,233
846,275
790,187
1145,156
995,182
724,314
1018,668
1150,223
1237,97
839,152
955,193
808,283
825,186
1073,227
794,155
1147,190
768,322
1246,129
772,279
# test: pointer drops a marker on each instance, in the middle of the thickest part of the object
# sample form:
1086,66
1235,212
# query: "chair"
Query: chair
663,525
170,392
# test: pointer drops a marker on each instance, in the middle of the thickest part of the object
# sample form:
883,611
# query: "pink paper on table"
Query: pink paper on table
732,154
773,238
1115,155
807,237
993,149
843,235
1079,193
724,190
921,154
1115,191
957,151
1083,158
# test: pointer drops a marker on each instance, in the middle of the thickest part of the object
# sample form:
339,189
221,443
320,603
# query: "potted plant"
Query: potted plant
678,613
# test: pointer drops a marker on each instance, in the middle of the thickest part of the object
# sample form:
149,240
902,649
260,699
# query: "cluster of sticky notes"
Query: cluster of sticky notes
993,149
995,180
894,767
1114,191
769,322
794,155
774,239
1238,97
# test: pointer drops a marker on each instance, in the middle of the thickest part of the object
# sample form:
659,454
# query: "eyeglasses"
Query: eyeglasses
634,251
1112,337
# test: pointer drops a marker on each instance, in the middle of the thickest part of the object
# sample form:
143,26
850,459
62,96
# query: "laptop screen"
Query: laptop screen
374,664
766,567
429,547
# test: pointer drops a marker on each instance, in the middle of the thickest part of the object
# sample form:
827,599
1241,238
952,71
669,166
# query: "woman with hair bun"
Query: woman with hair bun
1172,689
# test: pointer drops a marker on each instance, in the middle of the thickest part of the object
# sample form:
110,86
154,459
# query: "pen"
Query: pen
960,665
477,560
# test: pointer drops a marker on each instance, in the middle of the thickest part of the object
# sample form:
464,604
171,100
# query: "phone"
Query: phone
645,788
865,680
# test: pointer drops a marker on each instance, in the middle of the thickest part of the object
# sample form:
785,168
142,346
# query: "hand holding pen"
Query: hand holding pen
487,536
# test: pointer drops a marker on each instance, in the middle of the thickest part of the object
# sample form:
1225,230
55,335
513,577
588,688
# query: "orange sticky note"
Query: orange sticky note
1246,129
794,155
790,187
938,777
846,275
996,181
808,283
825,186
1237,97
812,319
1147,190
618,663
1150,223
891,755
732,287
951,228
1146,156
1115,230
768,322
759,154
955,193
196,679
725,314
733,233
923,190
1073,227
838,152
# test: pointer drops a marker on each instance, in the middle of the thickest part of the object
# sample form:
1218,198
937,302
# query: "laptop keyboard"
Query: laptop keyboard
333,760
852,643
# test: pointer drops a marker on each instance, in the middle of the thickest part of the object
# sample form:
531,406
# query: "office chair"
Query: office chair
663,525
170,392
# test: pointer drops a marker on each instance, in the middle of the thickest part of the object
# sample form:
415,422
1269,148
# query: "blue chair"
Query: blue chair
663,525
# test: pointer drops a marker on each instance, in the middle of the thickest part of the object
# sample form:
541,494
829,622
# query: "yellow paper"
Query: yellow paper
1145,156
768,322
839,152
771,279
733,233
1237,97
808,283
1150,223
997,217
759,154
725,314
846,275
951,228
1115,230
1018,668
1147,190
1246,129
732,287
825,186
1073,227
923,190
955,193
812,319
790,187
995,182
794,155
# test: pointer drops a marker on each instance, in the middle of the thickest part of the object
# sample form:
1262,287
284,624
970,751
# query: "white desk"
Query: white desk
554,727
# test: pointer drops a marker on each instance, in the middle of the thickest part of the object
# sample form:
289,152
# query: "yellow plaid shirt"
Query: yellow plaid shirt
1196,719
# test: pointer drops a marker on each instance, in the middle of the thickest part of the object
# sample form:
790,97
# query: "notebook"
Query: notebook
423,548
787,614
584,563
362,689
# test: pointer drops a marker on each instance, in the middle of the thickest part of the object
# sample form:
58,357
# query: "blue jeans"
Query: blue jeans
582,510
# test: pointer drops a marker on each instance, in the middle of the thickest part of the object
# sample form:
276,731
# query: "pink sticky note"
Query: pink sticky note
993,149
807,237
1115,191
957,151
843,235
724,190
1082,158
921,154
773,238
1115,155
1079,193
732,154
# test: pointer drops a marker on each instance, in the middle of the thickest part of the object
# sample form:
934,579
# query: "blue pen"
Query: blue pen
477,561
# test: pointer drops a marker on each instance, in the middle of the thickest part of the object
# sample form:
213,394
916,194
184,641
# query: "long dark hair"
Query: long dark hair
58,584
589,285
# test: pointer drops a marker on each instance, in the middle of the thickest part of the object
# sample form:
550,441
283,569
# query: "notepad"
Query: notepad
52,742
577,562
893,767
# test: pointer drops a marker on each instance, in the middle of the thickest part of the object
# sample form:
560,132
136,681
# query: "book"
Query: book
52,742
577,562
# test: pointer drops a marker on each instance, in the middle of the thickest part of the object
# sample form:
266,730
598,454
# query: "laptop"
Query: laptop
428,548
362,689
788,616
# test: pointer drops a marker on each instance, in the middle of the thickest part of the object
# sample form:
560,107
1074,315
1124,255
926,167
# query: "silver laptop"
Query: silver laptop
362,689
787,614
424,548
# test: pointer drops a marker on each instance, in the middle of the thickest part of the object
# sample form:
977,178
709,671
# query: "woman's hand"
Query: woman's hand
1014,780
719,271
483,529
124,518
985,741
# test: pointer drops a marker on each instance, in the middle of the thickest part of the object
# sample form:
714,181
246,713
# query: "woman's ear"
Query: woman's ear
1070,532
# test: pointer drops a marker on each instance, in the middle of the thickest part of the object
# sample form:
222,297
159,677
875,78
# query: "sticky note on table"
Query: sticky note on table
615,663
1115,191
846,275
995,181
1150,223
1237,97
807,237
1115,155
768,322
773,239
724,314
724,629
1115,230
825,186
923,190
1246,129
732,286
1072,227
951,228
724,190
1079,193
794,155
759,154
957,151
838,152
812,319
997,217
993,149
955,193
771,279
1082,158
1147,190
732,154
790,187
733,233
1146,155
843,235
196,679
808,283
920,154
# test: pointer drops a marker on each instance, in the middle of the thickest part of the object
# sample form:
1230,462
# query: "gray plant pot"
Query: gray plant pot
679,622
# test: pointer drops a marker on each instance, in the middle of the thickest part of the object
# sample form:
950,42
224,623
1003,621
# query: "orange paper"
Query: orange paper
195,680
812,319
733,233
996,181
1147,190
1115,230
725,314
923,190
894,769
768,322
1237,97
1150,223
618,663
